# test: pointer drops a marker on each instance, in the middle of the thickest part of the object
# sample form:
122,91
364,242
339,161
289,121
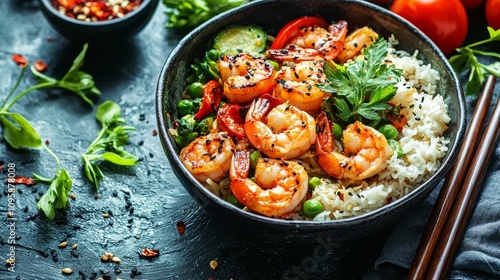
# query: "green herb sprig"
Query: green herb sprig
56,196
361,90
466,59
188,14
109,143
19,133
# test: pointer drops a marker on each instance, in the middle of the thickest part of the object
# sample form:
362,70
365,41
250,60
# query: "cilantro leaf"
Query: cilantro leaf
56,196
361,89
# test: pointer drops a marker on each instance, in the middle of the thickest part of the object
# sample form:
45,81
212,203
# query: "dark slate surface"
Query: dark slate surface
127,74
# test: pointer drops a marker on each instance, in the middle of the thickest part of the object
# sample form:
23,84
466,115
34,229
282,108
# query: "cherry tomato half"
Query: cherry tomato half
492,10
444,21
292,28
471,4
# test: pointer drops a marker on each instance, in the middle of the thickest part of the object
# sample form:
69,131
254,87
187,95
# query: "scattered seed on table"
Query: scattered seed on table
74,246
63,244
213,264
73,196
67,270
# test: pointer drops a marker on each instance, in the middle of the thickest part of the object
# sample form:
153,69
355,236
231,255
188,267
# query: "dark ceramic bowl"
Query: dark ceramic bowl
118,29
271,15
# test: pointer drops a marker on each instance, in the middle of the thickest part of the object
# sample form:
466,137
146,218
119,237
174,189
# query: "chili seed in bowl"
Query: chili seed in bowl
95,10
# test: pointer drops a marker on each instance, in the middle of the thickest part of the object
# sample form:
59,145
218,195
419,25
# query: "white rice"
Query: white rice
421,140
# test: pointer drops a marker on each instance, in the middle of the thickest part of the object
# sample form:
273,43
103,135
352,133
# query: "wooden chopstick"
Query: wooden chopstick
465,203
450,189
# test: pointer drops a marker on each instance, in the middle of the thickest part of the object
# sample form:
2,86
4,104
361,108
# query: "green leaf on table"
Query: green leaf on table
56,196
18,132
109,143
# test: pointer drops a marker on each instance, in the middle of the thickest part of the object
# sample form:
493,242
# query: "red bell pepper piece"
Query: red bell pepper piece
292,28
231,119
212,94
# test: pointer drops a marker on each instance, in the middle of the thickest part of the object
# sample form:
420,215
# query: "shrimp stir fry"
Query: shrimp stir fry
208,157
366,151
280,132
312,42
297,85
279,187
245,77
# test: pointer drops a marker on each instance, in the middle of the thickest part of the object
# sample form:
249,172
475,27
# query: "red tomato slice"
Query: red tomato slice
230,119
212,94
292,28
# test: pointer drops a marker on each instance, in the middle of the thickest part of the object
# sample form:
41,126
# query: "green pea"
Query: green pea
196,90
312,207
337,131
231,199
389,131
396,147
185,107
254,157
314,182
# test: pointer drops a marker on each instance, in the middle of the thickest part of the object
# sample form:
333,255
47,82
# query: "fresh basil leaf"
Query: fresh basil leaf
18,132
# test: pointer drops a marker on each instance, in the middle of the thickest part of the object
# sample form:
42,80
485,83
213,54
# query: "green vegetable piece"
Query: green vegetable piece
18,132
254,158
396,147
203,126
237,39
337,131
186,125
314,182
196,90
185,107
275,64
231,199
56,196
107,112
311,208
389,131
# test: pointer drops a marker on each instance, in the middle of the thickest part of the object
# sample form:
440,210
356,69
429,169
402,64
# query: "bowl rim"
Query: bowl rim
48,6
426,187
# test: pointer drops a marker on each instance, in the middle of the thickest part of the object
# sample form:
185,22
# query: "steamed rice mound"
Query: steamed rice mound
421,139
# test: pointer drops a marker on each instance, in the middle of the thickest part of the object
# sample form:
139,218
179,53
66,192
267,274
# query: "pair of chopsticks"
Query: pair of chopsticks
456,202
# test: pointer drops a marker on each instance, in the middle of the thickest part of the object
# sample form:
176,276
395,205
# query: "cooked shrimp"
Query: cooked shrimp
208,157
245,77
297,85
313,41
280,132
356,42
279,185
365,151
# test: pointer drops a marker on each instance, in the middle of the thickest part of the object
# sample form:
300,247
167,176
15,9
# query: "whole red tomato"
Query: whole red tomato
493,13
444,21
471,4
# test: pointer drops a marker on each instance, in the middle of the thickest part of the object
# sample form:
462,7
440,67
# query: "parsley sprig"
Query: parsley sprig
109,143
361,89
466,60
19,133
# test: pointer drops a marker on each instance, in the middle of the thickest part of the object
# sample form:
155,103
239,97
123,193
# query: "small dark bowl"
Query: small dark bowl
118,29
272,15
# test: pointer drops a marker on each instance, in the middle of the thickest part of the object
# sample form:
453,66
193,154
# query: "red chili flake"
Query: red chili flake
149,253
22,180
50,39
155,132
47,142
1,165
95,10
40,65
20,60
181,227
